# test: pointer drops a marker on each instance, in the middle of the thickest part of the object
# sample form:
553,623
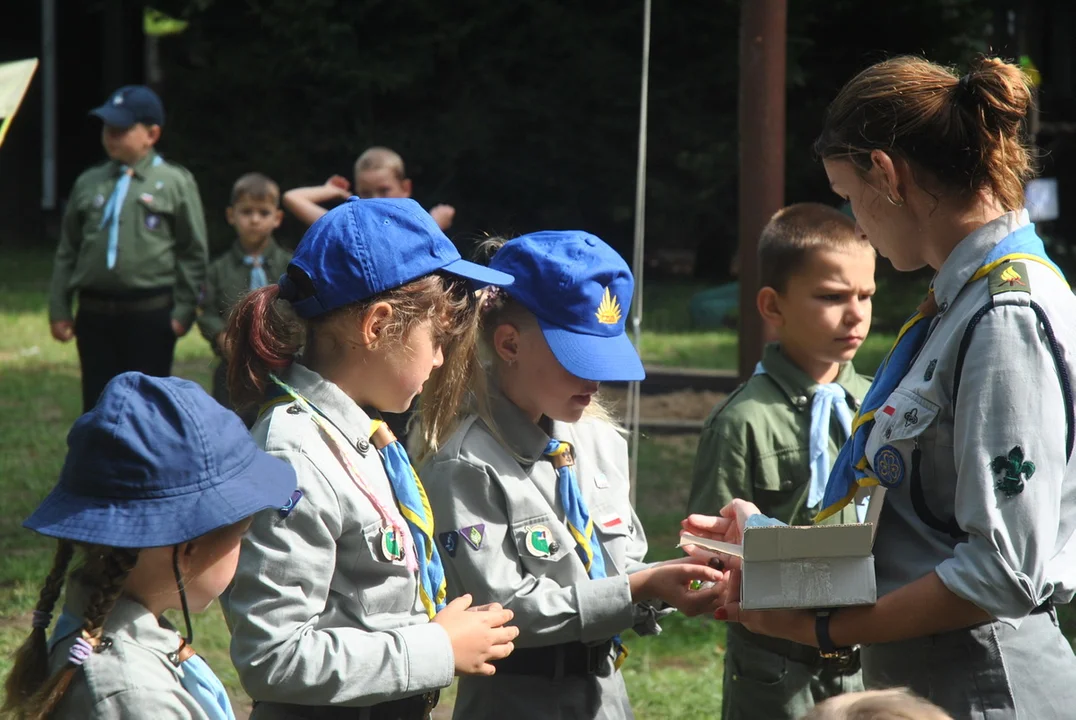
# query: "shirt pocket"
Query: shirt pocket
155,214
616,530
382,585
904,434
543,542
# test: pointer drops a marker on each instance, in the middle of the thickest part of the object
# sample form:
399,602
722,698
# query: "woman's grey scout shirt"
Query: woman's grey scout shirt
975,447
320,614
502,537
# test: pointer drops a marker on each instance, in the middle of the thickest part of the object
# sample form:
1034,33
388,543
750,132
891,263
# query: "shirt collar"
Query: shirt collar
129,620
269,253
798,386
525,439
968,255
351,420
142,165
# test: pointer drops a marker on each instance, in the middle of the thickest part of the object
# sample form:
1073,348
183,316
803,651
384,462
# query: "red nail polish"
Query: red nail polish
721,614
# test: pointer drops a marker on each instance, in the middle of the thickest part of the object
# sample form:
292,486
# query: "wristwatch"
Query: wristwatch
826,648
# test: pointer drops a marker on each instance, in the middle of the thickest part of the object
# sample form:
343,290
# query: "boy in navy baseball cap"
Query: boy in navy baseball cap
157,489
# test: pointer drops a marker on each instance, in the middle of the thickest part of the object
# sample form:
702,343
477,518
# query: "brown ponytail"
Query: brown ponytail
263,336
966,132
31,693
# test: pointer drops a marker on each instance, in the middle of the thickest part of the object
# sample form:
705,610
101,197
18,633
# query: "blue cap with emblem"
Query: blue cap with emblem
158,462
365,247
580,290
129,105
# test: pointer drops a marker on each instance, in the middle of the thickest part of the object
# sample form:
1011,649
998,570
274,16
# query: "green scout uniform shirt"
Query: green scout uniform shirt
162,237
228,279
756,444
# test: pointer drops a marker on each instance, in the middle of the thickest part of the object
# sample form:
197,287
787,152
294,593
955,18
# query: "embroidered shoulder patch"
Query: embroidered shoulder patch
292,502
1009,277
1014,471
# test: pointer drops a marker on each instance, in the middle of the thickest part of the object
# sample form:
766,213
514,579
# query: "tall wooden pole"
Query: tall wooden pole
763,30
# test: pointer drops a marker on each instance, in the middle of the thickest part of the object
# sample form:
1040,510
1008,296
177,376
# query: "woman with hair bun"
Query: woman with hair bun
969,424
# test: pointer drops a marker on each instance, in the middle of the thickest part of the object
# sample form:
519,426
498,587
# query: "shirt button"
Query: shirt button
554,547
800,401
363,446
944,306
294,409
631,528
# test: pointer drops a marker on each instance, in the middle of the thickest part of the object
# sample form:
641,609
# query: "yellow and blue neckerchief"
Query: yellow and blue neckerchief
853,469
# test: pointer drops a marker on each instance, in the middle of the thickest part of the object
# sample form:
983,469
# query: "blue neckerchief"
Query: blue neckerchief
415,508
257,271
852,469
579,522
114,208
197,678
826,398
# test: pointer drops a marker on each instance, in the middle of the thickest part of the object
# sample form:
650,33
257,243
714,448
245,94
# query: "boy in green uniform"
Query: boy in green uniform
254,260
774,439
132,246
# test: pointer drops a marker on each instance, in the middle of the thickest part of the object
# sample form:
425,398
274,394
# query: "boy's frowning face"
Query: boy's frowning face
381,183
825,310
254,220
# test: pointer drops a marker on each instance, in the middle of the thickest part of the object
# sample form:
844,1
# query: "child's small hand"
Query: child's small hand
443,215
62,330
674,583
477,635
340,184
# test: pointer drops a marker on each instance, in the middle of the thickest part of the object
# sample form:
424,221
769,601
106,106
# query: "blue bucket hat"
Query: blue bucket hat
580,290
129,105
158,462
365,247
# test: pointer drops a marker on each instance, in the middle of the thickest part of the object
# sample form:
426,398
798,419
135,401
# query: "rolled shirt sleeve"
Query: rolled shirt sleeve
1010,455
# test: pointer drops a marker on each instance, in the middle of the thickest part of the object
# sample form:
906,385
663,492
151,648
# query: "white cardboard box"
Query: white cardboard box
814,566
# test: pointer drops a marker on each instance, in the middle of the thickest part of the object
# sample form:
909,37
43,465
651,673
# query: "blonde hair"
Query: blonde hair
496,308
967,132
379,158
895,704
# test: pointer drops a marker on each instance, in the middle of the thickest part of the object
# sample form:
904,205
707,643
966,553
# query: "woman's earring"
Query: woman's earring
894,203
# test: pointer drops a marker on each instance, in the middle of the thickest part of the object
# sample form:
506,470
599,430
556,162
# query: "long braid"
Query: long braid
105,573
31,667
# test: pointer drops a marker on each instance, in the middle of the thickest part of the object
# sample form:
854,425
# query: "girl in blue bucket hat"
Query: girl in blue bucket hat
157,489
531,488
338,609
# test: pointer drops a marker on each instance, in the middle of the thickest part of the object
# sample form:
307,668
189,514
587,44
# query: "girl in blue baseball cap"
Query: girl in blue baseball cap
531,488
156,491
338,608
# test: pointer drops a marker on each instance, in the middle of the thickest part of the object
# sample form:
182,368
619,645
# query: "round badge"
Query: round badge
538,541
889,466
153,221
98,201
390,545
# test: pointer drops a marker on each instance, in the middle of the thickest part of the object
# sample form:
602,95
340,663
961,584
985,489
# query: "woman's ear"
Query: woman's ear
769,307
506,343
889,176
374,324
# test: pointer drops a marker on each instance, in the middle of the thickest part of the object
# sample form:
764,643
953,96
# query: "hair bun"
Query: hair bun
1000,89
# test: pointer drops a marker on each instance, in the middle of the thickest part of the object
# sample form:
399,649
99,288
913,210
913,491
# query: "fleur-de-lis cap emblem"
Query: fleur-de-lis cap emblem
118,99
609,309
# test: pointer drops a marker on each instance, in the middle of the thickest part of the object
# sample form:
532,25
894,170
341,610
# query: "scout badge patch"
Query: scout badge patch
474,535
152,221
538,541
292,502
450,542
889,466
1014,470
390,545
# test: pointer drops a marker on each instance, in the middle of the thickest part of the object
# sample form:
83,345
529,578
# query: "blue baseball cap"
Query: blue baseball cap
129,105
365,247
580,290
158,462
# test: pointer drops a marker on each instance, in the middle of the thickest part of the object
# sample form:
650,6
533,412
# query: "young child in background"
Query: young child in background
379,173
132,248
775,438
254,260
154,496
338,604
531,489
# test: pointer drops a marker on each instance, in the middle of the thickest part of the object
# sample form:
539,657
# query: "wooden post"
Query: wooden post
763,30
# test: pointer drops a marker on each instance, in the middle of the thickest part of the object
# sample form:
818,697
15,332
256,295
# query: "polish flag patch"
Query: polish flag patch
611,521
889,410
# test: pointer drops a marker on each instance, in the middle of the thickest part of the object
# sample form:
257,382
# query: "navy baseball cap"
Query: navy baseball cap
365,247
158,462
129,105
580,290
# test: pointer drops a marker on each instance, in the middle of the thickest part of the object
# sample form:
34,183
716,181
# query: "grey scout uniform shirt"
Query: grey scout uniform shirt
318,615
511,488
133,678
162,238
228,279
1018,551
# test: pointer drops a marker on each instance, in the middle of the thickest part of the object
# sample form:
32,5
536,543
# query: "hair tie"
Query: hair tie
288,291
81,650
964,83
42,619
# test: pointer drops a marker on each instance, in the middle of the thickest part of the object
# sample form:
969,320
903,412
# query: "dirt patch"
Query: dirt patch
679,405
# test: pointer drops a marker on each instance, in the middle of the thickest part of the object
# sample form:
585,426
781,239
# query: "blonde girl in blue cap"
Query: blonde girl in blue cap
531,488
338,607
156,491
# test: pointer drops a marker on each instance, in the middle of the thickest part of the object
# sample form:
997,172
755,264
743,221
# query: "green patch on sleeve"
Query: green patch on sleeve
1009,277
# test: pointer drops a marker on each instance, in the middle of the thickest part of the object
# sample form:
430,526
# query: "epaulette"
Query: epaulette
1009,277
